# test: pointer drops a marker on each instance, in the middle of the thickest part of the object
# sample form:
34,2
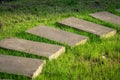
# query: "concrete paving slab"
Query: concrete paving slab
118,10
87,26
107,16
21,66
58,35
41,49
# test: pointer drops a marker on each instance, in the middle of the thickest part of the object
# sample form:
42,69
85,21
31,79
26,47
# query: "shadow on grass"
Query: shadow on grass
32,37
20,54
92,37
7,76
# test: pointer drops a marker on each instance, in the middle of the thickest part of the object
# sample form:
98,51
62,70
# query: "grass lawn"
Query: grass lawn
98,59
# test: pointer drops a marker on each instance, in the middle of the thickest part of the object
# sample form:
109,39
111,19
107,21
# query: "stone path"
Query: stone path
80,24
37,48
32,67
21,66
106,16
118,10
58,35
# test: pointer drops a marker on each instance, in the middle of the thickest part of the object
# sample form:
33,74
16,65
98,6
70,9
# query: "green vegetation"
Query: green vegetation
98,59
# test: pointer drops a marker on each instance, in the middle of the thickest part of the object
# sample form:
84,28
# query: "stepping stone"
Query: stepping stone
87,26
118,10
58,35
21,66
37,48
106,16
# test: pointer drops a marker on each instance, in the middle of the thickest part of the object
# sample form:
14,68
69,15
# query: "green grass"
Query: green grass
83,62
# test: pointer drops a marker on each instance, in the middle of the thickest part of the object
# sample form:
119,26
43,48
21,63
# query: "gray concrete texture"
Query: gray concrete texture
118,10
87,26
107,16
41,49
21,66
58,35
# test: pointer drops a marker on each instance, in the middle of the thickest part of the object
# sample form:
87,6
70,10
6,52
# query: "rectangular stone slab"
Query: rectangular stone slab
106,16
58,35
118,10
21,66
37,48
87,26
